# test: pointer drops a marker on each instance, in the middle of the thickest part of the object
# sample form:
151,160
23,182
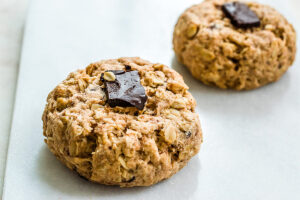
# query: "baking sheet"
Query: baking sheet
251,139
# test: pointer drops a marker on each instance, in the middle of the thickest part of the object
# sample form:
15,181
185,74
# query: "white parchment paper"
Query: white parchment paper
251,139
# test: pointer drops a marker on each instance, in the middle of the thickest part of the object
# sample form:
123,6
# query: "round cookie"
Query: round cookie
99,123
219,52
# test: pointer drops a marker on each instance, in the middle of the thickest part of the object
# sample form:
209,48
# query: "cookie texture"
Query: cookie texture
122,145
219,54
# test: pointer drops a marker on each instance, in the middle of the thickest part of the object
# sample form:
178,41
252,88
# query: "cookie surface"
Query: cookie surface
225,52
126,146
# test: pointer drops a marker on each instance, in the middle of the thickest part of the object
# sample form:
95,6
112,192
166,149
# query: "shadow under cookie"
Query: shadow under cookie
60,178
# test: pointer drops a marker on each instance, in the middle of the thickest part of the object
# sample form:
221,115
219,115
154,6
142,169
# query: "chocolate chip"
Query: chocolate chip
127,67
240,15
126,90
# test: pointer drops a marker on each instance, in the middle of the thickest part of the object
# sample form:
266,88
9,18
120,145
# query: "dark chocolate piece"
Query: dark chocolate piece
126,90
240,15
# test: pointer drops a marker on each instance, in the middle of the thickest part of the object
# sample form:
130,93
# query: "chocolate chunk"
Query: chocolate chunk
240,15
126,90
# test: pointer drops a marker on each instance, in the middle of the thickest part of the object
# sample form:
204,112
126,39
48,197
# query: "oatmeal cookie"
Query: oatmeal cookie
237,45
124,122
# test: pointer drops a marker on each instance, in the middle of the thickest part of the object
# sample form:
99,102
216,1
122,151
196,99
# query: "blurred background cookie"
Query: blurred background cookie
232,44
124,122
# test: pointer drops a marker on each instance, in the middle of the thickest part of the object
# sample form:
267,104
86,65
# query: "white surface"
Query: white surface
12,14
250,148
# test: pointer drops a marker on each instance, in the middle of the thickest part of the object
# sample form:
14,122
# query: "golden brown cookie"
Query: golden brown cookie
219,49
99,123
